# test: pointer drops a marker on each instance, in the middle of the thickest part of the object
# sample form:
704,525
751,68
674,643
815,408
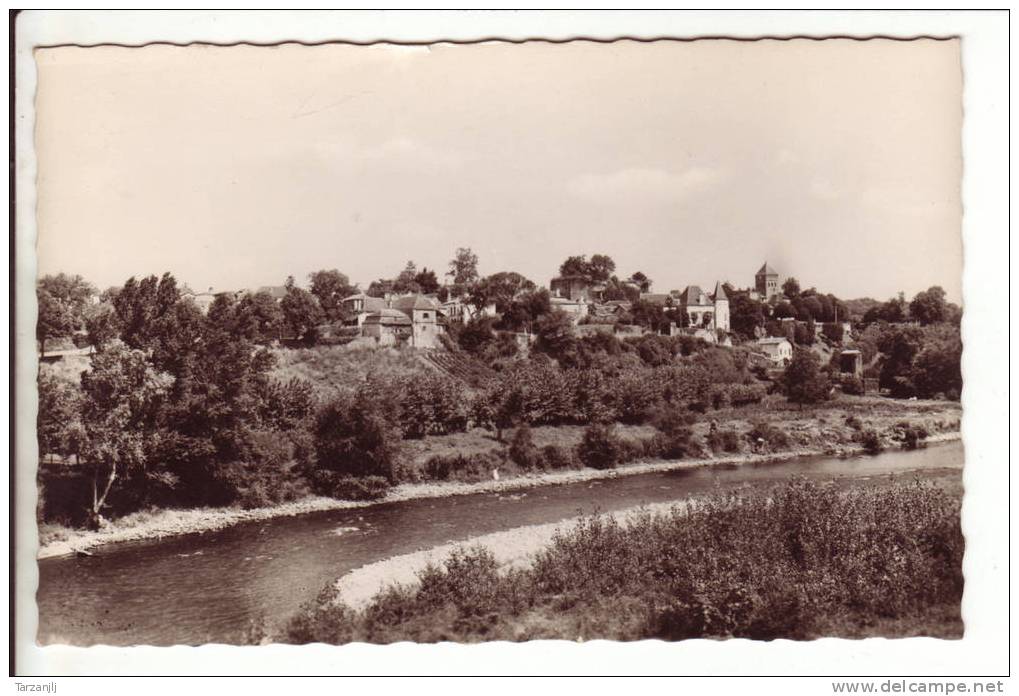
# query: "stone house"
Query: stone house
778,350
704,310
578,288
358,307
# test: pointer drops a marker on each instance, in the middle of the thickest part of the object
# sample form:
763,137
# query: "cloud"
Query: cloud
643,183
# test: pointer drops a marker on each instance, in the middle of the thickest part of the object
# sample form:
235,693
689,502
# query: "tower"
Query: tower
721,307
767,282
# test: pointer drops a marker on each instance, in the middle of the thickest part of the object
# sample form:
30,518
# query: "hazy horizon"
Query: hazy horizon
838,162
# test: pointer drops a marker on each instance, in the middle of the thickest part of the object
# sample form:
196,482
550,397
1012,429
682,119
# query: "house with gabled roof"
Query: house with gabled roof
703,310
412,319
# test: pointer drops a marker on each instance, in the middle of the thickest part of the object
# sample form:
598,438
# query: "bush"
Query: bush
343,487
356,438
523,451
852,385
675,437
871,442
463,467
557,458
749,564
600,448
775,438
912,436
724,441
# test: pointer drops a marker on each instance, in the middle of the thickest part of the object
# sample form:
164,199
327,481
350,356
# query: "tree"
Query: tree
641,281
647,314
427,281
380,287
140,305
525,309
406,281
893,311
355,438
805,382
121,397
601,267
62,300
574,265
331,287
463,269
556,336
101,324
784,310
804,333
501,288
301,313
791,288
55,319
258,318
928,306
58,424
745,314
899,345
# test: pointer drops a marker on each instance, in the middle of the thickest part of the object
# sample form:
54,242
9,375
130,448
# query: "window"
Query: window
424,315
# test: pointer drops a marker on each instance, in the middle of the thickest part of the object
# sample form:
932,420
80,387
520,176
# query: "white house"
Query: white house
779,350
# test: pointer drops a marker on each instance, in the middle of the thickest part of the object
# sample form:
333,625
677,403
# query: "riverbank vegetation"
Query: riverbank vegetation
179,408
802,561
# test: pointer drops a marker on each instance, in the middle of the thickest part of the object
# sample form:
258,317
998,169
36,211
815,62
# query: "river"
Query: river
210,587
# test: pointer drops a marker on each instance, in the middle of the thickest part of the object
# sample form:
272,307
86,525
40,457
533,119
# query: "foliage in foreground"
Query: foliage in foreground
802,561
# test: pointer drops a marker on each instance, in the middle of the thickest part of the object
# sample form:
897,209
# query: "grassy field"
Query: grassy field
334,370
802,561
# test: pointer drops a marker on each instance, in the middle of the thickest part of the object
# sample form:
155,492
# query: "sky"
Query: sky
838,162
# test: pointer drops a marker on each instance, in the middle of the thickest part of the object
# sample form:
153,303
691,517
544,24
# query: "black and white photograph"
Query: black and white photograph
464,342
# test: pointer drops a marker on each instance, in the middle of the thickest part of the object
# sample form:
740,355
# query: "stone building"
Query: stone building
767,283
703,310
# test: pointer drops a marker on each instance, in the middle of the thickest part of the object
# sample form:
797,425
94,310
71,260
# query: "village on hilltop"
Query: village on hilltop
385,316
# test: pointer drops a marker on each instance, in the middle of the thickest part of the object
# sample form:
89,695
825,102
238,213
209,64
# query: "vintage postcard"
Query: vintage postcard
470,342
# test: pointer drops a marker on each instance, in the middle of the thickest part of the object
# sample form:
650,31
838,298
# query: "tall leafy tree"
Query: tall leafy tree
301,313
805,381
121,398
791,288
928,306
330,287
101,324
463,269
407,280
427,281
63,300
601,267
574,265
140,306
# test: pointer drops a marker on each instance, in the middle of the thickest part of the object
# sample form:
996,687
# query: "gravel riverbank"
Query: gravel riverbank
59,541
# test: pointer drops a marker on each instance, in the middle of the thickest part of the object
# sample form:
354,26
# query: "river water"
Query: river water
210,587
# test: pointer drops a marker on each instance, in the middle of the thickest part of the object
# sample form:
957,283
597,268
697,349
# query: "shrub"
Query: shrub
343,487
743,394
600,448
854,422
800,561
804,381
871,442
523,451
775,438
912,436
724,441
675,437
852,385
556,457
463,467
356,438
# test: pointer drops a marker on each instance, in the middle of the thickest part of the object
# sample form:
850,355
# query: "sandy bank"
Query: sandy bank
164,523
511,548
